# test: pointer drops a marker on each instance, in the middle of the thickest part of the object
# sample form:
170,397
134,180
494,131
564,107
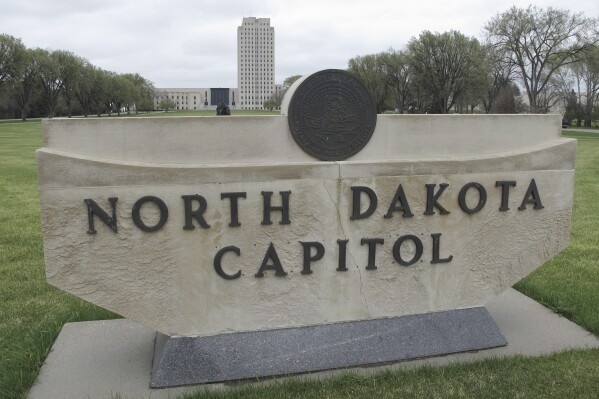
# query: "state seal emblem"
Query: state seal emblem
332,115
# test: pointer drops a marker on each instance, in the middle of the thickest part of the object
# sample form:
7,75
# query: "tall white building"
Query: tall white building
255,62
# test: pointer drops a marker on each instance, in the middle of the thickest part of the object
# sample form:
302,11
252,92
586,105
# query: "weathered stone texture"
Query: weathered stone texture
166,279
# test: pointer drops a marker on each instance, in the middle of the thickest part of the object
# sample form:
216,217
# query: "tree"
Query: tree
70,70
587,76
50,77
290,80
142,91
369,69
269,104
539,42
395,66
445,66
101,91
12,53
85,87
146,105
166,104
499,77
561,85
278,96
571,109
119,91
23,82
508,101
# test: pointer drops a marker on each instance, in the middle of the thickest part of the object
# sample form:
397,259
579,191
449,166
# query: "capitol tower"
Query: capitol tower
255,62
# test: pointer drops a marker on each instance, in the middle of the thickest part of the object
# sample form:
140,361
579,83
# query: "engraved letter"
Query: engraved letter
198,214
432,198
94,209
356,202
218,266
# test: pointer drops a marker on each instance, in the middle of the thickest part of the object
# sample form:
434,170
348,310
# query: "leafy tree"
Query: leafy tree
34,80
395,66
122,93
85,87
278,96
50,77
118,91
101,91
142,90
290,80
445,66
370,70
23,82
12,53
166,104
70,69
270,104
146,105
539,42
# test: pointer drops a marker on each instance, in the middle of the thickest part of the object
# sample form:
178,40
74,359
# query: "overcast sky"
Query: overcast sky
185,43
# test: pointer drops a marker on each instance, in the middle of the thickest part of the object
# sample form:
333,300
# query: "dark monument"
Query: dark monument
223,109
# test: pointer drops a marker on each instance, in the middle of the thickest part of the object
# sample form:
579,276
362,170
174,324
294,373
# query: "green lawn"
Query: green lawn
32,312
580,135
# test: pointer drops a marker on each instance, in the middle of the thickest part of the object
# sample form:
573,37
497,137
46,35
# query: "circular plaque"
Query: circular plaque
331,115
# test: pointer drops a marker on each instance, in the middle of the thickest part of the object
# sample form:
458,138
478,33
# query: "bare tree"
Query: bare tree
499,77
586,73
540,42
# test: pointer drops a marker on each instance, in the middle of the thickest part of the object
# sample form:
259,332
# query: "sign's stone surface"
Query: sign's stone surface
331,114
201,226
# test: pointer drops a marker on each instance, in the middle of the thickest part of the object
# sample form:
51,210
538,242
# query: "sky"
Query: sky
185,43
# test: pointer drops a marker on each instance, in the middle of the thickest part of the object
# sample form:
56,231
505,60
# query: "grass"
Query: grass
32,312
580,135
569,283
573,374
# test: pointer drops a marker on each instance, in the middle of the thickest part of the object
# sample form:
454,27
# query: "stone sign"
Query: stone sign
201,226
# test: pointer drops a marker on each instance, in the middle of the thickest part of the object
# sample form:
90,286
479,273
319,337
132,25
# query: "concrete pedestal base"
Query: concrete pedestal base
105,358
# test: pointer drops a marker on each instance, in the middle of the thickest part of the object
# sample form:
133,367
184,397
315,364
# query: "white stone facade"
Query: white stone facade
255,62
255,74
195,98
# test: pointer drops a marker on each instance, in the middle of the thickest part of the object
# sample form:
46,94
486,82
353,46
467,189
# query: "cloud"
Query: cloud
185,43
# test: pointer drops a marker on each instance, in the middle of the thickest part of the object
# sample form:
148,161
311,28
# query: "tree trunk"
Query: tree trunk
588,112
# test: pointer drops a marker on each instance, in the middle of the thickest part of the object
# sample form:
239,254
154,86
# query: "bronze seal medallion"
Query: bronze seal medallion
331,115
